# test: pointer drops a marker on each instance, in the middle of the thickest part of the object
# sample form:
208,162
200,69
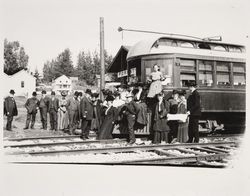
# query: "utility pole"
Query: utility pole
102,76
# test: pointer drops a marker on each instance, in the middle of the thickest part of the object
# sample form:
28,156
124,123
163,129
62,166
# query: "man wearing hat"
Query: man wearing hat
31,105
131,112
10,109
194,111
73,111
43,106
86,113
53,109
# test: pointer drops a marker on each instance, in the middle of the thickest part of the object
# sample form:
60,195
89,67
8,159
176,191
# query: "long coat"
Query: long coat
160,118
54,104
193,104
31,105
86,109
110,117
10,107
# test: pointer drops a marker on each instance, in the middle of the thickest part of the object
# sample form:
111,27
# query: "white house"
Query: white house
62,83
22,82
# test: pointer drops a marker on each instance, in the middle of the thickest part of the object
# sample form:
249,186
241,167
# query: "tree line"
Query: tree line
86,69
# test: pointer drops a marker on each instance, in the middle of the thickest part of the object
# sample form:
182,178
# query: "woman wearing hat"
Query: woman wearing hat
63,119
160,127
182,135
97,111
110,117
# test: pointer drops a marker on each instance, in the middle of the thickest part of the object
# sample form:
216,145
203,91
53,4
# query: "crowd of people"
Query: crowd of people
126,106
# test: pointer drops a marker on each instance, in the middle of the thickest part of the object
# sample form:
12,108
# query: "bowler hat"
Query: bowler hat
12,92
53,93
192,84
63,93
88,91
95,95
34,93
175,92
110,98
43,92
76,93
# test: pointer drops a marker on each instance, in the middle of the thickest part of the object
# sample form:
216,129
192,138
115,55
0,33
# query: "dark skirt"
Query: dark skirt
106,130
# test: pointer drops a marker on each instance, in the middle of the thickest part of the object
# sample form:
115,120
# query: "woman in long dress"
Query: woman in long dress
97,119
160,126
182,134
110,117
156,86
63,120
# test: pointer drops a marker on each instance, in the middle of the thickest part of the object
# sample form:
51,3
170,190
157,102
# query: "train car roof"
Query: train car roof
144,47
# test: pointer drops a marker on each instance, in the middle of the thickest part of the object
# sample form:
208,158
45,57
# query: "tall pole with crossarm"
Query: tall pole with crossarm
102,76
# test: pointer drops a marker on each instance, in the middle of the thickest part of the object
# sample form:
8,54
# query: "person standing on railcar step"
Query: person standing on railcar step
10,109
43,106
131,112
87,113
32,105
194,112
156,86
53,109
73,111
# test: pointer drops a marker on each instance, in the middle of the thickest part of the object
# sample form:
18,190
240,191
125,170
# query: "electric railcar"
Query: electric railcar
219,70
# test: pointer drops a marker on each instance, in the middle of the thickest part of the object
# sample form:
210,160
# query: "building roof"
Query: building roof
119,59
62,78
19,73
145,47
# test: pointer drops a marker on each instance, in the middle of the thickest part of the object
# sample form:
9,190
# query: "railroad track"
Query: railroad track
213,154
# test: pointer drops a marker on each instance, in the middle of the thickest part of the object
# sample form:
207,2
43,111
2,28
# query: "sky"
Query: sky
46,27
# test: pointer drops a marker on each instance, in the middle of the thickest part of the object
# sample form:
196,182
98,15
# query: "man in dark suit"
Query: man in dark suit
31,105
10,109
73,111
43,106
194,111
53,109
87,113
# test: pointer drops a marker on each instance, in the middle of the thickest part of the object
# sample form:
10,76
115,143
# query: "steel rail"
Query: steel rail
128,148
65,143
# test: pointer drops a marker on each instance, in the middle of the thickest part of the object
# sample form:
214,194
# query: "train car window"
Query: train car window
223,79
205,79
239,80
187,44
187,64
204,46
234,49
219,48
186,78
223,66
238,67
205,65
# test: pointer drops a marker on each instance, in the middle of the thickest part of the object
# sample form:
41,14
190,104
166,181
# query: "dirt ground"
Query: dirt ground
19,123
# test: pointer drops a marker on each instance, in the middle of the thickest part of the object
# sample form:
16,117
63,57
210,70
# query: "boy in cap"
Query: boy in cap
10,109
43,106
53,109
32,104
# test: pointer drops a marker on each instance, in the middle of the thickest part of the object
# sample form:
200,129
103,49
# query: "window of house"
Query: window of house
205,73
22,84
